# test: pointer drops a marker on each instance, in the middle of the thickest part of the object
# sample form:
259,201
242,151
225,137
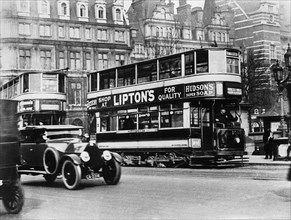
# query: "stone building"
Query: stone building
160,31
44,36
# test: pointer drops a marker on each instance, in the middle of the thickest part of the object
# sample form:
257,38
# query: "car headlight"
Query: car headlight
237,140
107,155
85,156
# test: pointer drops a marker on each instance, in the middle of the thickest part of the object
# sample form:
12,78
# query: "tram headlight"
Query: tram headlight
107,155
85,156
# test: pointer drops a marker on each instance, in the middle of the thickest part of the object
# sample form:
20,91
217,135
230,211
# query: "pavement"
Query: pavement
260,160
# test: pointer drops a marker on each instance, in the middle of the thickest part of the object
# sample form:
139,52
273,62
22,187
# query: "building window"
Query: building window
74,32
88,33
45,59
118,14
24,29
63,9
43,8
75,60
101,12
45,30
82,11
102,60
24,59
61,31
119,36
75,98
23,7
102,34
88,60
61,60
272,51
119,60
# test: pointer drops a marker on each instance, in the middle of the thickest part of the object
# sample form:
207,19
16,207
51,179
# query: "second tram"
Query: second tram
166,110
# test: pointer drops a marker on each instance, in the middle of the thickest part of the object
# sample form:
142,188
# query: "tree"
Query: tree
256,80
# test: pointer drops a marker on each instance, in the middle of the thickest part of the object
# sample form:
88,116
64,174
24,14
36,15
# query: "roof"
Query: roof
51,127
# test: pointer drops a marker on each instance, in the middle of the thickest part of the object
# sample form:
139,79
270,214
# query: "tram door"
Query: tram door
201,122
206,128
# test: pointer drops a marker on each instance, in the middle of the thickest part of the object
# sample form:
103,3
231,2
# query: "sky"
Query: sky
193,3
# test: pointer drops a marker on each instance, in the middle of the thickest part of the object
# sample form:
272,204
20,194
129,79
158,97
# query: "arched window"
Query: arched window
44,7
157,32
100,12
82,11
64,8
118,14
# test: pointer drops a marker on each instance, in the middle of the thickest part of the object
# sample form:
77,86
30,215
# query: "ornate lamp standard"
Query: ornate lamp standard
280,77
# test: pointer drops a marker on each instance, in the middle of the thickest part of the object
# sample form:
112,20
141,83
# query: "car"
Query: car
62,150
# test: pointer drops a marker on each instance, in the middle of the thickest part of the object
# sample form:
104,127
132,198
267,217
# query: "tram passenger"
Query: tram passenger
225,118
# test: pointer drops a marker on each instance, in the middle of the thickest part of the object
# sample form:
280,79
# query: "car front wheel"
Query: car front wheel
71,174
112,172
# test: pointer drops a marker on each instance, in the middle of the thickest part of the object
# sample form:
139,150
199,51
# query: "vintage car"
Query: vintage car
60,150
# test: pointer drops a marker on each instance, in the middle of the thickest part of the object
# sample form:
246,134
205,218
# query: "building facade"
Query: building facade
261,28
40,36
160,31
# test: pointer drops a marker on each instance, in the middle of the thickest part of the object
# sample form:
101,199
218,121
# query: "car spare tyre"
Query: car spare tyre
51,160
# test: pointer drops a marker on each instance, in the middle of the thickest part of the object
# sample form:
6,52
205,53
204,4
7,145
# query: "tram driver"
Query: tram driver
225,118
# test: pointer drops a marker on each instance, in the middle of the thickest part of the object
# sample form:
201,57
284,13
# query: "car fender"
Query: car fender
75,158
117,157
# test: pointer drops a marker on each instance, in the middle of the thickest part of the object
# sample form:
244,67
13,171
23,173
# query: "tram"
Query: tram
165,110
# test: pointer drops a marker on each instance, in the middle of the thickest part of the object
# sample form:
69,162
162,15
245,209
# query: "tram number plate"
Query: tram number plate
92,176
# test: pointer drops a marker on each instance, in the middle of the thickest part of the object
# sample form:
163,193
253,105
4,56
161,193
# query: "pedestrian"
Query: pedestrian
268,143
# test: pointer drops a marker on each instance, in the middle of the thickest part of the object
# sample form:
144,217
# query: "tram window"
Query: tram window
108,121
147,72
232,65
35,85
61,83
170,67
172,117
148,118
93,77
189,63
26,82
126,76
194,117
202,61
107,79
50,83
205,115
127,122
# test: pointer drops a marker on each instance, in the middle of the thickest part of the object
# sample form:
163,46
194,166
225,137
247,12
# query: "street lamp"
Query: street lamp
280,77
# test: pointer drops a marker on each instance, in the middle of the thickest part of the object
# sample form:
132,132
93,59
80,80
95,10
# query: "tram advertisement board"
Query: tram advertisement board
168,93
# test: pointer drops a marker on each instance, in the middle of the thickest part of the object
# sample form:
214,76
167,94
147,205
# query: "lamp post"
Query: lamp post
280,77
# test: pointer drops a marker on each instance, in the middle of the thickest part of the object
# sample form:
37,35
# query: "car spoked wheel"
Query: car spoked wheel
13,198
71,174
112,172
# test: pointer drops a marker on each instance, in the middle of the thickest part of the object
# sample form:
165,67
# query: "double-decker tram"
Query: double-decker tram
167,110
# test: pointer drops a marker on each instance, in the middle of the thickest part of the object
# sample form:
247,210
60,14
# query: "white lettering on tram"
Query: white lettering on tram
201,87
134,97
